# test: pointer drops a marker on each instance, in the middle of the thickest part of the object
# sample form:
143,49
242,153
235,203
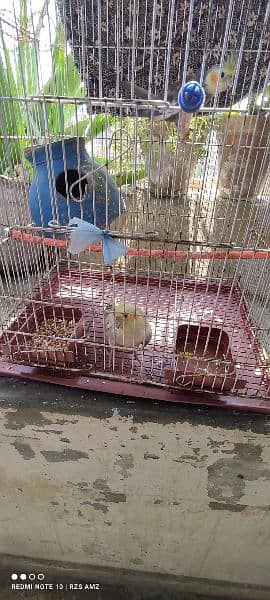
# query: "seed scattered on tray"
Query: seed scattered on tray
47,331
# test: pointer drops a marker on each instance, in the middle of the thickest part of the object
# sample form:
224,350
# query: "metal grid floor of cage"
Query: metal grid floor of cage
80,295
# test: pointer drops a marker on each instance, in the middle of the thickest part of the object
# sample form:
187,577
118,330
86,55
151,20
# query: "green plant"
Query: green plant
24,123
199,130
168,134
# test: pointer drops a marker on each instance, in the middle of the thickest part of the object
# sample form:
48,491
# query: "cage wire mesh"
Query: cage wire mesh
90,127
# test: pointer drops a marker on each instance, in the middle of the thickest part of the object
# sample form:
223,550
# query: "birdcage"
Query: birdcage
142,263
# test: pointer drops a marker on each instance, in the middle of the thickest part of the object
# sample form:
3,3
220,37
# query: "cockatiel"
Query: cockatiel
218,79
126,325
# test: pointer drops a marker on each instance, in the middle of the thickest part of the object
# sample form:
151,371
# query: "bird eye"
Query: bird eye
222,74
125,315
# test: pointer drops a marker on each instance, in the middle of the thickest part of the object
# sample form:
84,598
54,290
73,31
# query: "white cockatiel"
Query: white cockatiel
126,325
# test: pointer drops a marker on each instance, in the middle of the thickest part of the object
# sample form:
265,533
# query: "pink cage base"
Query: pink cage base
168,306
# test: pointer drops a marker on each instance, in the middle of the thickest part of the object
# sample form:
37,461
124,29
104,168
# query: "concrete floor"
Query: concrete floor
171,500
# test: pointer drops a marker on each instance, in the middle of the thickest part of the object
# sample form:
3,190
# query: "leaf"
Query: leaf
10,121
99,124
127,177
77,129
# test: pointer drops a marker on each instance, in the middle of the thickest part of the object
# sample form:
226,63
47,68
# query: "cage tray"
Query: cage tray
169,306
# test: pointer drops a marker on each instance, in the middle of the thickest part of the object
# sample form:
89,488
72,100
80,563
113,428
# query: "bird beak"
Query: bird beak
132,317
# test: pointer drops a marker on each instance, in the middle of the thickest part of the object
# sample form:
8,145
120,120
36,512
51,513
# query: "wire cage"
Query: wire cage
134,237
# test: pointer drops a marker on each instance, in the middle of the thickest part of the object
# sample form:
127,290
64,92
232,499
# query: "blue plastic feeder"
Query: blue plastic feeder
57,167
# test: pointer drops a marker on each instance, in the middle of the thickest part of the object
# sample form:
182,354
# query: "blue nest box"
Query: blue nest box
52,198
